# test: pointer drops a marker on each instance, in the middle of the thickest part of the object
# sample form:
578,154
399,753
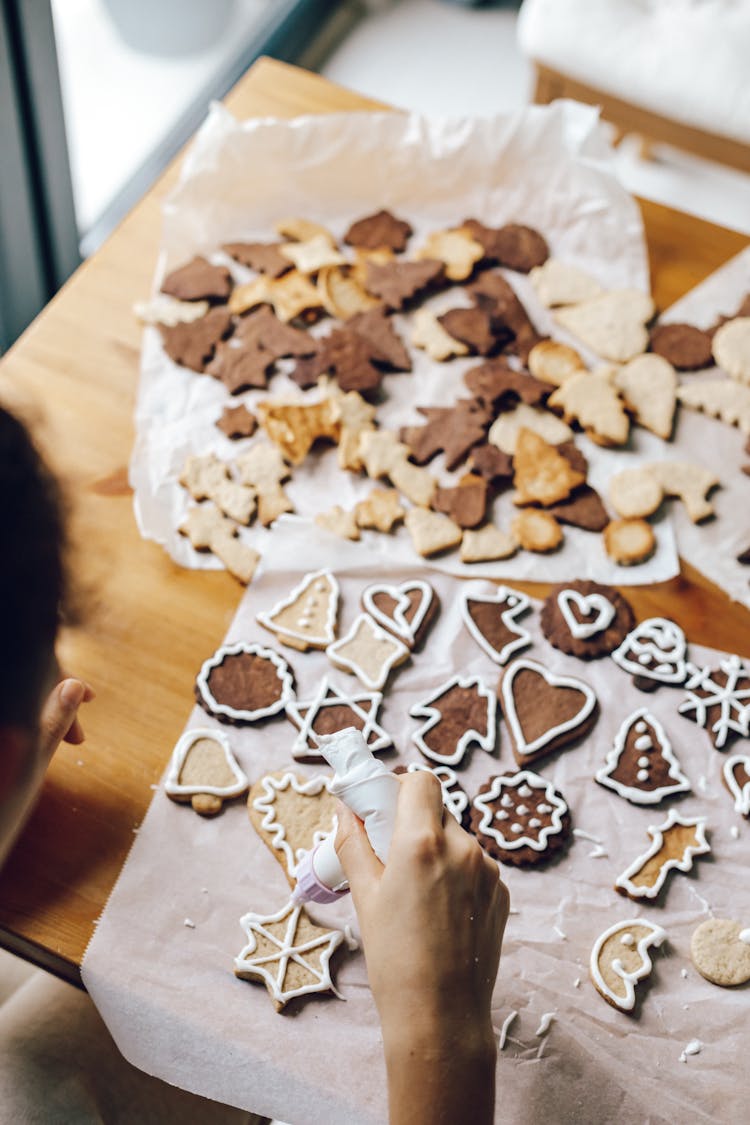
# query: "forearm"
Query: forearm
434,1079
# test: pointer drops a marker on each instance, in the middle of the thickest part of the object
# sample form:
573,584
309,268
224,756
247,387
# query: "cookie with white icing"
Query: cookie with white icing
244,683
735,774
306,617
586,619
544,711
407,610
520,818
369,652
492,620
291,814
674,844
654,653
641,766
331,710
204,772
718,699
459,713
620,958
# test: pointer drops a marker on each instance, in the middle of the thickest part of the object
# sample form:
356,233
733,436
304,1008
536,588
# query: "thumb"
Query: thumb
361,866
59,713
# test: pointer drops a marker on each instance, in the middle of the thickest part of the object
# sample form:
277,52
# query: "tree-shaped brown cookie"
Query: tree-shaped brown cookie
586,619
450,429
241,369
192,345
641,766
263,257
382,229
398,283
262,328
377,329
198,280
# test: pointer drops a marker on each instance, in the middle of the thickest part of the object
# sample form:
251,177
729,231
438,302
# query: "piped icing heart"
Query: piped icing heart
544,711
406,610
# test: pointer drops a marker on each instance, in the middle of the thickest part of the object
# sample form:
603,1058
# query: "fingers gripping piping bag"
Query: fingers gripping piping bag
371,792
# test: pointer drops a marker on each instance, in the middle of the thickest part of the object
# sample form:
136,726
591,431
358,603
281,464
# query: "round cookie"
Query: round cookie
586,619
243,683
520,818
720,951
687,348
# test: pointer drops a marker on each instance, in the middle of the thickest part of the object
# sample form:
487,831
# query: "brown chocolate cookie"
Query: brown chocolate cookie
687,348
586,619
198,280
399,283
379,230
460,713
263,257
406,610
240,369
242,683
466,502
493,292
192,345
472,327
491,463
583,509
237,422
452,429
332,710
520,819
263,329
377,328
492,620
544,711
520,248
494,383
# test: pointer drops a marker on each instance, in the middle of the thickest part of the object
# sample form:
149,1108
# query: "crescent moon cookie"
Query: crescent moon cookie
641,765
306,618
492,620
586,619
243,683
544,711
620,958
203,771
720,951
736,776
520,818
291,814
288,953
460,712
406,610
653,653
673,846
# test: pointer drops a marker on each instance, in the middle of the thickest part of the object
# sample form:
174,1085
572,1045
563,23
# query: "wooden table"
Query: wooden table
148,623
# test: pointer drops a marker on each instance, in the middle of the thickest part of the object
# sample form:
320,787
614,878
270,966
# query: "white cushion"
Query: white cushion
687,60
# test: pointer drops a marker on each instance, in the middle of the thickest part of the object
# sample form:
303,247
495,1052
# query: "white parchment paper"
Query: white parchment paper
169,997
547,166
712,547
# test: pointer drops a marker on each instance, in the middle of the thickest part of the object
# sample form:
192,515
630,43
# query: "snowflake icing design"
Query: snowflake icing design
732,699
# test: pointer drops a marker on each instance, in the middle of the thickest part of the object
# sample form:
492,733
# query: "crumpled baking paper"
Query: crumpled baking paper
547,166
167,992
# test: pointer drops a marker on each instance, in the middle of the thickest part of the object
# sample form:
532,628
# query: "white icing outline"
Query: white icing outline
683,863
179,754
524,748
283,673
456,802
511,781
657,631
286,951
654,938
504,1030
266,619
632,792
508,618
399,651
398,623
301,747
741,796
424,710
265,804
733,668
587,604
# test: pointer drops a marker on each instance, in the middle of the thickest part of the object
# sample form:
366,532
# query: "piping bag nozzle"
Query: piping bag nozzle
371,792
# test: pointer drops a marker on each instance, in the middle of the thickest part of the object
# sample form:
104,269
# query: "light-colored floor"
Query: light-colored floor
445,59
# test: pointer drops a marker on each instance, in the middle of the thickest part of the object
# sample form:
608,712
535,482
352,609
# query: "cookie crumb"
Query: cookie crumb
544,1023
189,923
504,1030
693,1048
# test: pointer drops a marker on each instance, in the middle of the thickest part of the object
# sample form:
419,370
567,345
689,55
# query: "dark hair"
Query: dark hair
32,572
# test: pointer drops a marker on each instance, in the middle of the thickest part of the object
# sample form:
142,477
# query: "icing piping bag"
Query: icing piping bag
371,792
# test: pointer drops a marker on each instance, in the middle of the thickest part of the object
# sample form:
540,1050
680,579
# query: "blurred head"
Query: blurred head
32,587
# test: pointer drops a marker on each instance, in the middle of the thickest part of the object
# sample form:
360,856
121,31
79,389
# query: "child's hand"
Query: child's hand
432,923
58,721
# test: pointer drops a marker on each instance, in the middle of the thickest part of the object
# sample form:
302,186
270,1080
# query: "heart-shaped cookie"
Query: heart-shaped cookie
291,814
406,610
736,776
576,608
544,711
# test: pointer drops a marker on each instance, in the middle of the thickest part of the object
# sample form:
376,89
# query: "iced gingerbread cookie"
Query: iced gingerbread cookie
620,958
203,771
673,846
653,653
544,712
243,683
719,700
736,776
492,620
519,818
720,951
307,617
454,797
368,652
641,765
291,814
288,953
460,713
586,619
406,610
331,710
